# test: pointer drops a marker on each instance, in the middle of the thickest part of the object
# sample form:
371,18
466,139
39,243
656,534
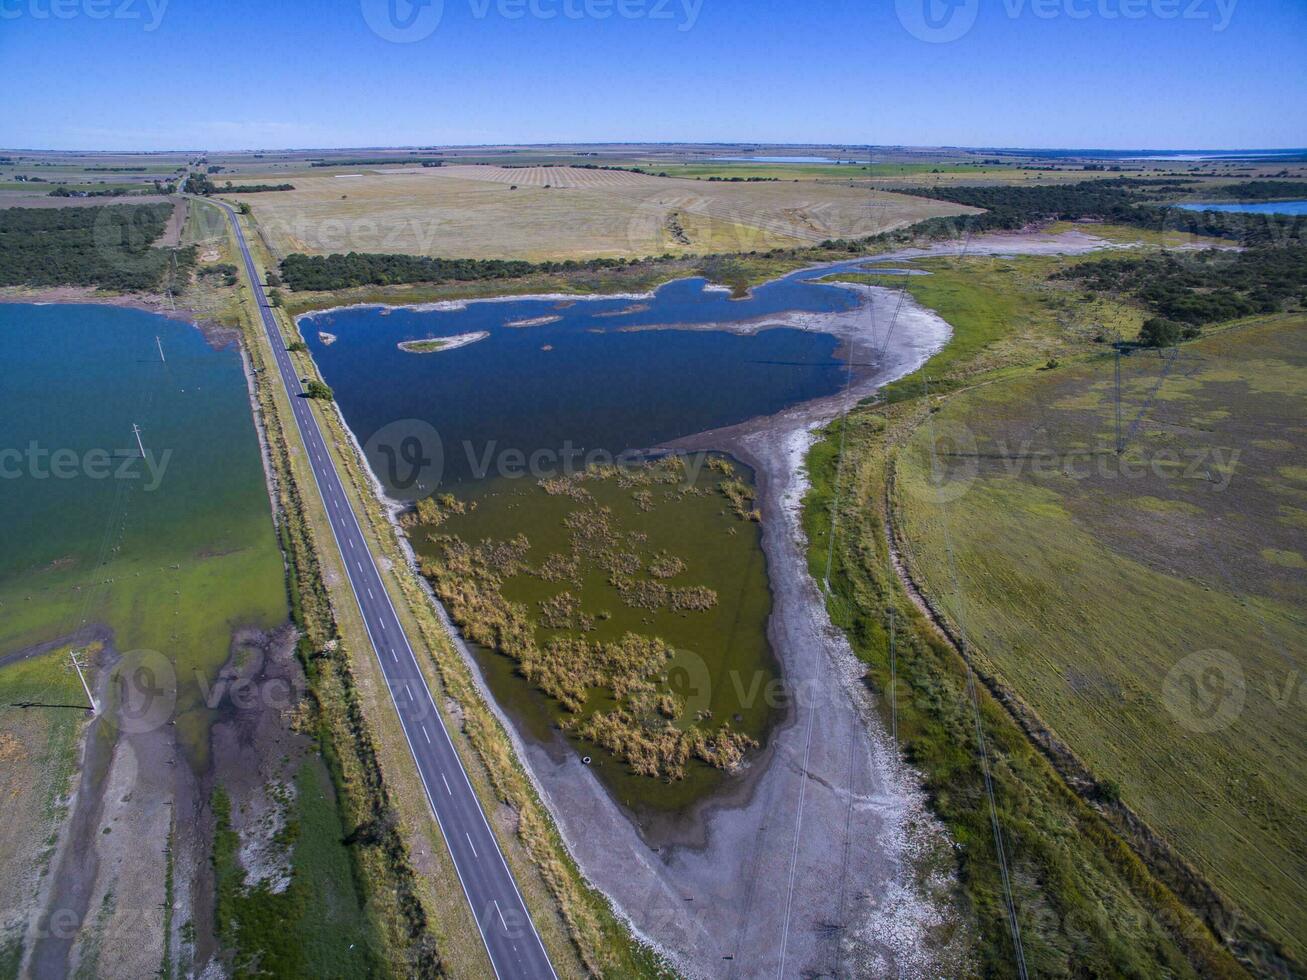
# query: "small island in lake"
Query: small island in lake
433,344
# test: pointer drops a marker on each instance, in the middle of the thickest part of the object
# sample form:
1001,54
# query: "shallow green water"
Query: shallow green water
171,551
724,663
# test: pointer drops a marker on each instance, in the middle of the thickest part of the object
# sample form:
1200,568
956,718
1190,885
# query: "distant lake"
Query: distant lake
775,159
1251,207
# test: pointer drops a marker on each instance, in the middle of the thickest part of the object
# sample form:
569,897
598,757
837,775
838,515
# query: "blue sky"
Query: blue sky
156,74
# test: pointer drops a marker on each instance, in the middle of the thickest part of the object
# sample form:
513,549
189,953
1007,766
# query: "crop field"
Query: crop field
541,213
1025,528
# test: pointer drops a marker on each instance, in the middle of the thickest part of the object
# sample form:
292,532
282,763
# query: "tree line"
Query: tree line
380,162
326,272
1123,200
1204,287
111,247
201,184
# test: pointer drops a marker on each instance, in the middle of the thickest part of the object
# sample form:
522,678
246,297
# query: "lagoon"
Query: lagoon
170,551
1250,207
576,375
775,159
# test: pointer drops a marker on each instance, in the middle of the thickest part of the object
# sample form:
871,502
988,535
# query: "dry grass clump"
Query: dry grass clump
432,511
560,612
666,566
640,593
560,568
696,598
740,494
566,486
662,749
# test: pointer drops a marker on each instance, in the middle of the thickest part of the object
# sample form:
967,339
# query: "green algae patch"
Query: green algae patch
625,607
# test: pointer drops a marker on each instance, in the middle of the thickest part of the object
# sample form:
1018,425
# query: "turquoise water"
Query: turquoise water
75,491
1251,207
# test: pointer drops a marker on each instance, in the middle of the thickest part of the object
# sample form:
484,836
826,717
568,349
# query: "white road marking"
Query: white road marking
495,903
474,854
370,595
426,734
446,782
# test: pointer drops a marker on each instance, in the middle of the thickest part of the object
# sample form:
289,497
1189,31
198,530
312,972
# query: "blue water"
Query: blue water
1252,207
775,159
584,382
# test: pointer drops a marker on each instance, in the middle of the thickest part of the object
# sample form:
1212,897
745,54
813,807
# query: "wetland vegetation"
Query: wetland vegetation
633,598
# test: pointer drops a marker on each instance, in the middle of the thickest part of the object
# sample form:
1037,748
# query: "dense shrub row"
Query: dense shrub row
1204,287
1124,200
304,272
111,247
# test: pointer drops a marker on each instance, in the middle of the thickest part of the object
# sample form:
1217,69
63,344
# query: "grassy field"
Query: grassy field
1087,903
38,756
474,212
314,926
1087,907
1147,608
1004,312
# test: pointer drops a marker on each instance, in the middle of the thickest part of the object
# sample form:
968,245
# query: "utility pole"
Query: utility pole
85,687
159,343
136,431
1120,447
893,685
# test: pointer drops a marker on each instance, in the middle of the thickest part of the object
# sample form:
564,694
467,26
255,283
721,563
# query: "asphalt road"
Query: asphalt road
506,929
